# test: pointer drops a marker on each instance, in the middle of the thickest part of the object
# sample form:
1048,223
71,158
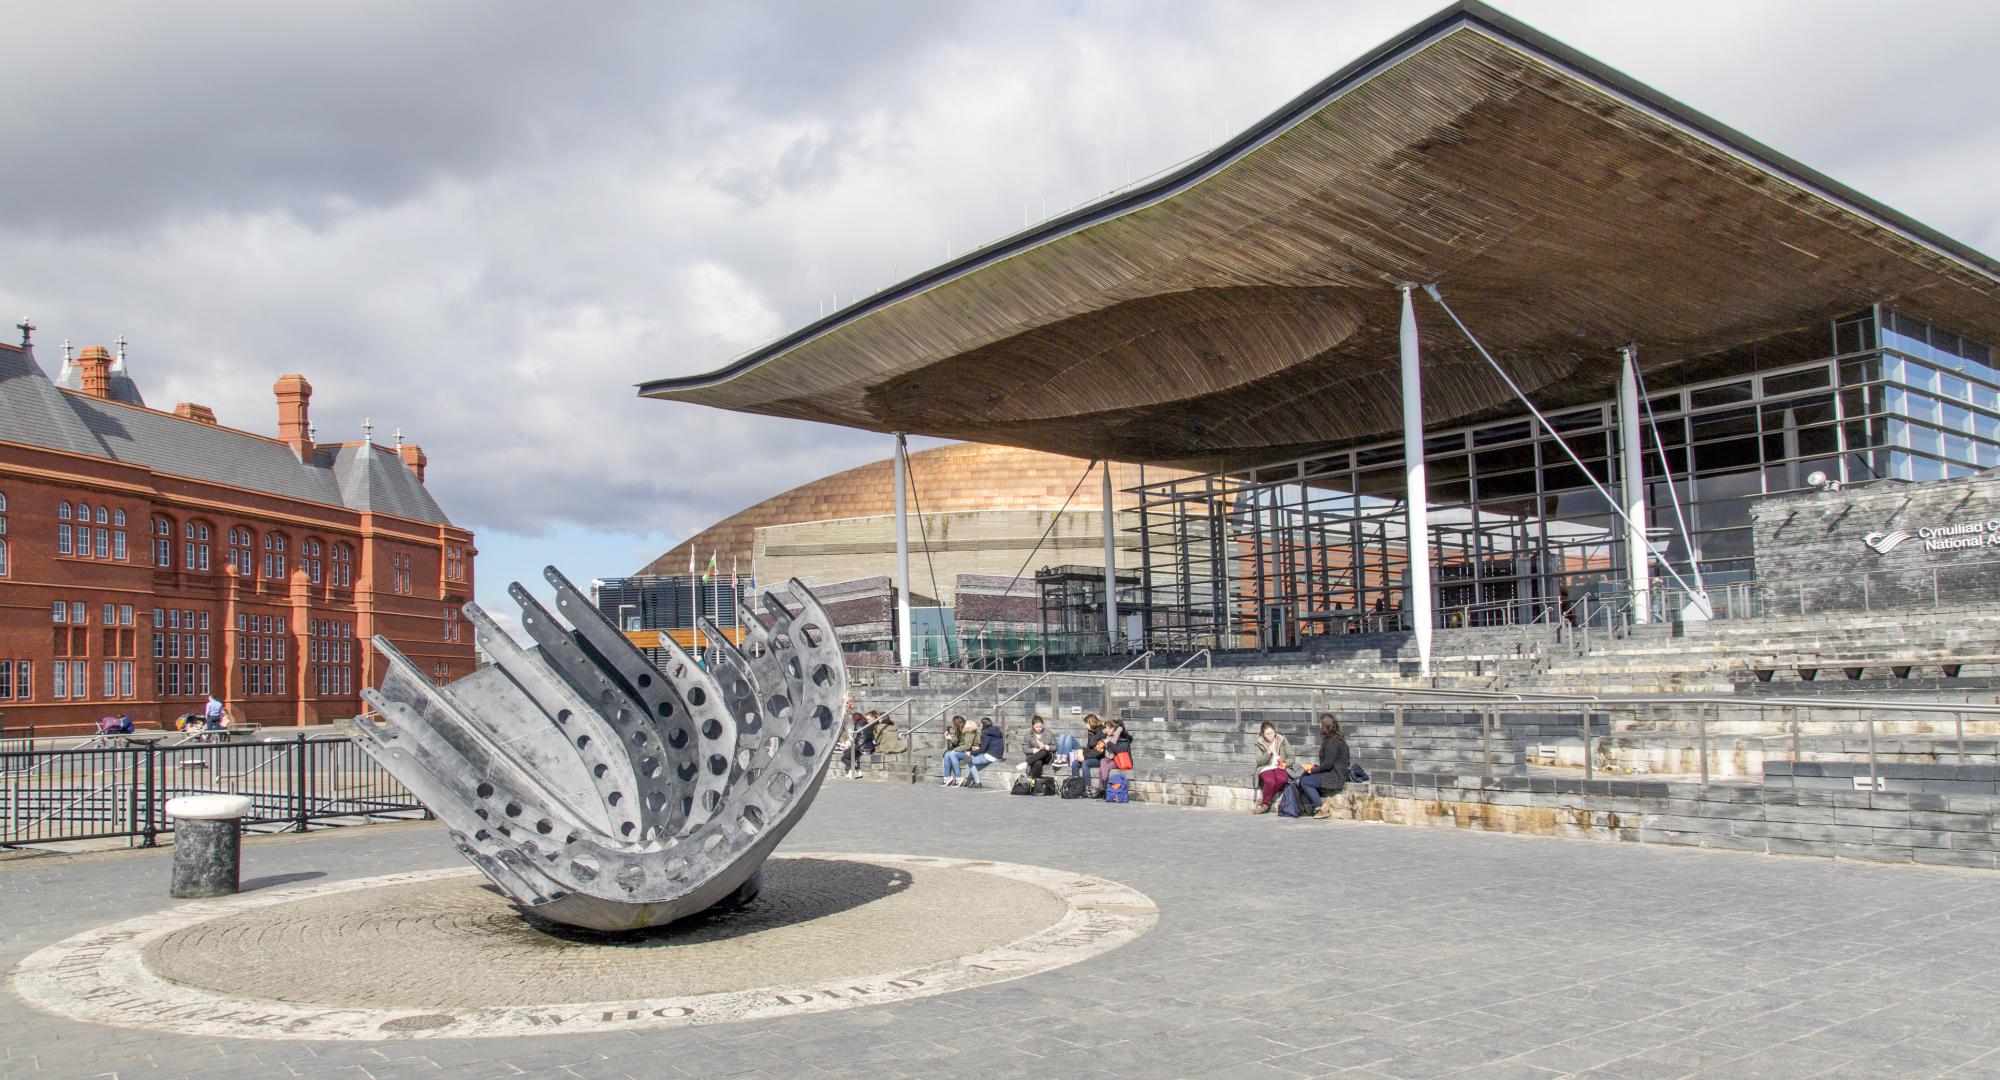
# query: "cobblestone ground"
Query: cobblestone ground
1285,948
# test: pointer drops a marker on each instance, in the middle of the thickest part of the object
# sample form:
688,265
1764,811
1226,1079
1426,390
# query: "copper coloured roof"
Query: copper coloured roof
1245,304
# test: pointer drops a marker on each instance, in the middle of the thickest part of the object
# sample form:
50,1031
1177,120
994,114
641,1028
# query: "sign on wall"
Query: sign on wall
1952,536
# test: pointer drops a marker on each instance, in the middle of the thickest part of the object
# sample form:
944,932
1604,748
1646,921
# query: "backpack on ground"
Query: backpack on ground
1045,785
1073,787
1358,774
1022,786
1288,800
1117,790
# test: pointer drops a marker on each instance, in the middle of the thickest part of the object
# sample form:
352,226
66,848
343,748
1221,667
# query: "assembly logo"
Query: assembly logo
1884,543
1953,536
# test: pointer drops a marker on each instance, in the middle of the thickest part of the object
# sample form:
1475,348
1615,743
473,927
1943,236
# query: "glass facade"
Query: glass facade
1927,405
1519,532
671,603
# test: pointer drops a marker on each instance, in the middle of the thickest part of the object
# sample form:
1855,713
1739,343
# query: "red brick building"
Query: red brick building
149,557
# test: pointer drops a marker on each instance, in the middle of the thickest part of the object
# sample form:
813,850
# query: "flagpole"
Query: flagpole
694,612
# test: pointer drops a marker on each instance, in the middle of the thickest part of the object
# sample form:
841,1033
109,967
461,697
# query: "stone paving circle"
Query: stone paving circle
440,954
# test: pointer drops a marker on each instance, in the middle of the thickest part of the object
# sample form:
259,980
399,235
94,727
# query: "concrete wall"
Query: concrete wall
1826,551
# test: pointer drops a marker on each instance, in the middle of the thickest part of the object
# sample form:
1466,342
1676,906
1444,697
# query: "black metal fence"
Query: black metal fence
98,792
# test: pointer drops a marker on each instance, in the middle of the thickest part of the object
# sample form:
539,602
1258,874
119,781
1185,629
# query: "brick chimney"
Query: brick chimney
200,414
93,364
294,423
413,456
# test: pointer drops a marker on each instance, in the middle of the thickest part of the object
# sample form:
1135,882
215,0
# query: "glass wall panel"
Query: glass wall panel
1519,531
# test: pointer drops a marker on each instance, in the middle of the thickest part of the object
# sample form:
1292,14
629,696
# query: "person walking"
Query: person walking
1273,753
1328,775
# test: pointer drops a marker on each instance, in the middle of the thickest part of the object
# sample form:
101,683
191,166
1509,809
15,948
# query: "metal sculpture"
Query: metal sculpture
601,791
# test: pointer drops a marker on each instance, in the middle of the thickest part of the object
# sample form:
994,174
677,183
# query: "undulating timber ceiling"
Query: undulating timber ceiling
1246,306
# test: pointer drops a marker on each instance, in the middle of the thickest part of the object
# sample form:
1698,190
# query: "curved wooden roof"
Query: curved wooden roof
1245,305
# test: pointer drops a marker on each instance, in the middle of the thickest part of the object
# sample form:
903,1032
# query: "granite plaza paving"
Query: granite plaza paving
1283,948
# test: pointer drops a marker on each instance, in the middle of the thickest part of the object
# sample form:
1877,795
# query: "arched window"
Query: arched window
3,558
104,515
274,556
62,511
343,565
310,551
194,536
163,543
242,552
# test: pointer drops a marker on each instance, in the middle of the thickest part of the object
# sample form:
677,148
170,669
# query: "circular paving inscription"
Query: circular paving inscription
439,954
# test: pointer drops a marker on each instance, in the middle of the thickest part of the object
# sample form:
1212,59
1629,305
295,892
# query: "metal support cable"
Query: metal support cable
1009,590
1432,292
924,538
1673,494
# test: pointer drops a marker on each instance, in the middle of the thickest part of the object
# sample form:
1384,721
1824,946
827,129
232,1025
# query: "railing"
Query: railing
1705,709
105,792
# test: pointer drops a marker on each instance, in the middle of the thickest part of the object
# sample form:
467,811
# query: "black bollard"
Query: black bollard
208,844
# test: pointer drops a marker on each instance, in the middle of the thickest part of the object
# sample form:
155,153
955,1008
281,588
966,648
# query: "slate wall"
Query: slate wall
1884,546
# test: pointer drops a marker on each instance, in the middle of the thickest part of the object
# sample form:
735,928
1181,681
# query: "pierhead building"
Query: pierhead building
149,558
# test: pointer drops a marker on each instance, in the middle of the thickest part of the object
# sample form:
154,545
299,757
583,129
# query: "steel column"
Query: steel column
1638,560
1417,510
903,642
1110,561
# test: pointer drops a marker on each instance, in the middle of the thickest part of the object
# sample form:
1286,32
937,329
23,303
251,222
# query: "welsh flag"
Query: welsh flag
708,575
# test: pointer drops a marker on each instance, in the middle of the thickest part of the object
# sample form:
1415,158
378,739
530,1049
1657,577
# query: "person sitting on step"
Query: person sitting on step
1117,744
860,742
1069,751
992,746
1040,752
887,739
962,738
1091,751
1274,752
1328,775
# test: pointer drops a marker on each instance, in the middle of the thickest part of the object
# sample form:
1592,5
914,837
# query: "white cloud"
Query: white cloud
484,223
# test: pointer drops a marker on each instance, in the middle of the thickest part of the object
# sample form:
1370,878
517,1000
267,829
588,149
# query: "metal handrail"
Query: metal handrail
1030,685
1146,656
1203,654
1855,704
114,785
919,726
1442,693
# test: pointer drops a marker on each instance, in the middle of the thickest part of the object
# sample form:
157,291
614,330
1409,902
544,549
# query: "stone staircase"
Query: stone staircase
1712,656
1209,730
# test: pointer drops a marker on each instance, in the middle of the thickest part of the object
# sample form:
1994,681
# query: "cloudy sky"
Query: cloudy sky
483,222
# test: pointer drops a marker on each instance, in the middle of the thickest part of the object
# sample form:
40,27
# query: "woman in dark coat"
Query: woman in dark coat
1328,775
